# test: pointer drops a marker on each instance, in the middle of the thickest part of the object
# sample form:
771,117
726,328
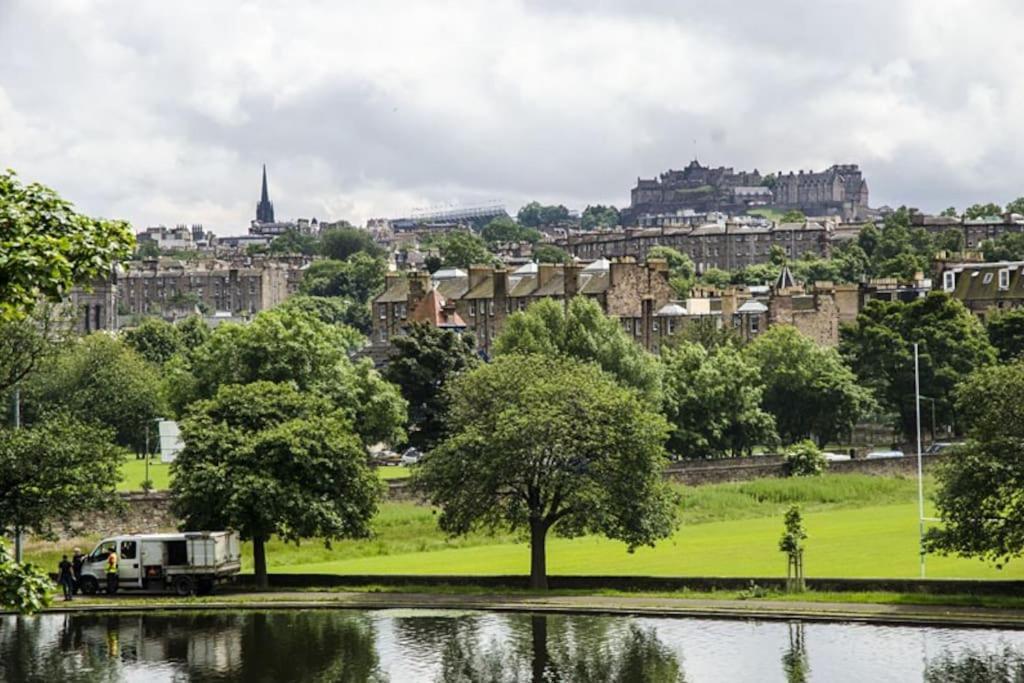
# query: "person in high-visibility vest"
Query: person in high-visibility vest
111,573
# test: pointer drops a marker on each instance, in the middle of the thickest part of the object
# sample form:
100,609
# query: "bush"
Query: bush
804,459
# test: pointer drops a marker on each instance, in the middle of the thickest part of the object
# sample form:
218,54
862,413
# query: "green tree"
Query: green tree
681,270
23,587
817,270
99,379
294,242
268,459
463,249
950,212
713,402
1016,206
154,339
978,493
975,211
282,345
339,244
581,330
792,543
26,343
549,253
878,346
360,278
423,362
599,216
535,214
793,217
807,388
332,310
1006,247
46,248
755,274
804,459
549,444
193,330
1006,333
716,277
504,229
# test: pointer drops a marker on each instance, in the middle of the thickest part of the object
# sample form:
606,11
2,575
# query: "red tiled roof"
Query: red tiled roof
431,309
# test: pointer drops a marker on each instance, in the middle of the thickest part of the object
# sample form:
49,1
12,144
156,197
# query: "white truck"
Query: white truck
188,563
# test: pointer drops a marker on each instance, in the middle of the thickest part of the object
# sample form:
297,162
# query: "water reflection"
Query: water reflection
472,647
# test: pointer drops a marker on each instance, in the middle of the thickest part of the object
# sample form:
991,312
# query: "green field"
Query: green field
133,472
858,526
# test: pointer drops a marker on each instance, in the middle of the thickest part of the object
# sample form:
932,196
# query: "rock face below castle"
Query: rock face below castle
839,190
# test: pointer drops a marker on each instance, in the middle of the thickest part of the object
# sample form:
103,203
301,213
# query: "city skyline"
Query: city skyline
161,114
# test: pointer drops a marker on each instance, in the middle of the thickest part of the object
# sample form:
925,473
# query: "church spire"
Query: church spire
265,209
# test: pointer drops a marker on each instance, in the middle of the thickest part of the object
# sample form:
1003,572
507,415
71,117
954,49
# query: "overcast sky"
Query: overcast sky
162,112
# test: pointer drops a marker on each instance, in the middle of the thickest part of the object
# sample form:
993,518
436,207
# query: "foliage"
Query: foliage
978,495
1006,247
154,339
294,242
424,360
535,215
360,278
755,274
950,212
581,330
27,342
332,310
46,248
1006,333
1016,206
463,249
267,459
549,443
681,270
898,249
716,277
976,666
706,331
339,244
99,379
713,402
549,253
23,588
804,459
792,543
504,229
879,349
599,216
793,216
292,345
193,330
807,387
54,469
976,211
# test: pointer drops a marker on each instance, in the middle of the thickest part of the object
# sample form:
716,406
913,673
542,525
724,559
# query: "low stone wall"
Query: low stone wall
648,583
140,512
697,472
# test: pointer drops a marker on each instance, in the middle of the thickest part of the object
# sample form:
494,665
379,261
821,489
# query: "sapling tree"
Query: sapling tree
792,543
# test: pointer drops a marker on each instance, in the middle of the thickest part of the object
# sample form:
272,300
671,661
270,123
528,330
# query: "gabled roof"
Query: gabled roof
431,309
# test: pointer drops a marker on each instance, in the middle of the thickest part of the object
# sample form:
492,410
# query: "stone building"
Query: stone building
173,288
839,190
95,306
730,245
985,288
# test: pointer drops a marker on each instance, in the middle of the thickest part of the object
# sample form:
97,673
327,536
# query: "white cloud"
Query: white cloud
163,112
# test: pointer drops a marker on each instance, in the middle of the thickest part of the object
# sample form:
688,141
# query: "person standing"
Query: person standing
66,578
111,573
77,560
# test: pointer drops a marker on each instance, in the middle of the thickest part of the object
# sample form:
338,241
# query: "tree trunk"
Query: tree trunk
259,559
538,556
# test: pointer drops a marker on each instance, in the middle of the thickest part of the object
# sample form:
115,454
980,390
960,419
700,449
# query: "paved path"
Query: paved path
590,604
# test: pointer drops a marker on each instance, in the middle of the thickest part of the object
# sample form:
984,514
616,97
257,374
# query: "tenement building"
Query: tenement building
985,288
729,245
839,190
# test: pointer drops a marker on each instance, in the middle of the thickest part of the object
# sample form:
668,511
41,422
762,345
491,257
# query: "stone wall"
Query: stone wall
697,472
142,512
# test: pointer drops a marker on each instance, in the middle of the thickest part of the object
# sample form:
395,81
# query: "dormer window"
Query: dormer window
948,281
1004,279
987,280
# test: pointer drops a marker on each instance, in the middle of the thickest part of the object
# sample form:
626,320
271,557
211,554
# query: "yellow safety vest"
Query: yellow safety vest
112,563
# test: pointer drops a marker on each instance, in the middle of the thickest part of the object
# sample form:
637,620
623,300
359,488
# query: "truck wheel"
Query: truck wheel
184,586
205,587
89,585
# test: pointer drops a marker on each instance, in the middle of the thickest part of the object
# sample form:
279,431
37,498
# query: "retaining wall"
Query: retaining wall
696,472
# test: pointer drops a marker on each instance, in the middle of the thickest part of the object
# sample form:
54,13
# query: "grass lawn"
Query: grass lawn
133,472
393,472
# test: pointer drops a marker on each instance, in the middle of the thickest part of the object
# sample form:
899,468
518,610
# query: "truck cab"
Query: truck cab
189,562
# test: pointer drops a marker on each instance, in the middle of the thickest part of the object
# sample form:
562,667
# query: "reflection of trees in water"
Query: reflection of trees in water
794,659
253,646
584,649
977,666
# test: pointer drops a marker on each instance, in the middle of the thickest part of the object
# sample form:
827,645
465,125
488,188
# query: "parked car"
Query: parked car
940,446
883,454
188,563
835,457
411,456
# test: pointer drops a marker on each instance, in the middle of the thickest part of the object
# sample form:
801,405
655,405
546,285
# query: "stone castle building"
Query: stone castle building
839,190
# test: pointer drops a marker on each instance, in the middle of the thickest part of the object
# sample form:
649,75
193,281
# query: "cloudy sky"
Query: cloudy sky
162,112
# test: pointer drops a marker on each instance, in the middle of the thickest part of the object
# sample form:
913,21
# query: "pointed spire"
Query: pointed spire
265,196
265,209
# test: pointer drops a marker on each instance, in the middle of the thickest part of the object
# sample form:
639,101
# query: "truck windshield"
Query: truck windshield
102,550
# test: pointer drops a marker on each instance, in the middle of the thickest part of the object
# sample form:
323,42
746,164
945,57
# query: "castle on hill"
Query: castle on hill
839,190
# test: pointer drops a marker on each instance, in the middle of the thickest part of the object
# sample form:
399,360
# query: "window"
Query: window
490,307
383,334
128,550
383,310
655,326
948,281
401,311
668,326
1004,278
987,280
482,306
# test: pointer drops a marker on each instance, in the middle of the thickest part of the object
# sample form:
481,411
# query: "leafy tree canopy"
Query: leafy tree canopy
950,212
154,339
23,587
535,214
681,270
99,379
268,459
332,310
46,248
294,242
879,349
341,243
581,330
808,388
793,217
548,443
549,253
1016,206
463,249
360,278
25,343
1006,247
423,362
978,494
1006,333
975,211
504,229
599,216
713,402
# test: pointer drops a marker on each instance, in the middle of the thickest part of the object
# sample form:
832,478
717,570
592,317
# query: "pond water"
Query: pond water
417,645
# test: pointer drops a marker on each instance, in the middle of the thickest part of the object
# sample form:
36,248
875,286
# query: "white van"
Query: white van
190,562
